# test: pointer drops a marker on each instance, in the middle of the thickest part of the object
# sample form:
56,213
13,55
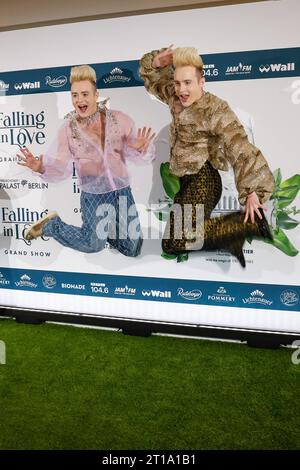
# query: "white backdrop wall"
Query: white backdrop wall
208,288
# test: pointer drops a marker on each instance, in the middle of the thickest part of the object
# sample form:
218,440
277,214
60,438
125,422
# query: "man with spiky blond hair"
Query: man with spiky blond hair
206,136
99,141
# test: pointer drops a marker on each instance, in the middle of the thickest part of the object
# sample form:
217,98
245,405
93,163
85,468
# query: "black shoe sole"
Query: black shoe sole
237,251
263,225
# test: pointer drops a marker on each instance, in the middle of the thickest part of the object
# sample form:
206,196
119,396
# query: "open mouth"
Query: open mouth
83,109
184,98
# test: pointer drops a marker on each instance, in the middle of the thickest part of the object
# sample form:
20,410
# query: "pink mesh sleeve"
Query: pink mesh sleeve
57,161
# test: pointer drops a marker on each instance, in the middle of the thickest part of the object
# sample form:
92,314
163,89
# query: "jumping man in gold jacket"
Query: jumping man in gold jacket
206,136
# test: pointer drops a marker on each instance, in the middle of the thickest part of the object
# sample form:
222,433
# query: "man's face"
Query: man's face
84,98
188,84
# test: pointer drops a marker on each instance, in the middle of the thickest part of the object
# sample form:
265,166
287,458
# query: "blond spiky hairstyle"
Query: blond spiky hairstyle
187,56
83,72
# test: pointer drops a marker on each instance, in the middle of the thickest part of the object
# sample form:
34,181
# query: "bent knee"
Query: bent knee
94,246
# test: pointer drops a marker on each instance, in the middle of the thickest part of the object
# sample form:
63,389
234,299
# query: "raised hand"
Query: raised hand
143,140
29,160
252,206
164,58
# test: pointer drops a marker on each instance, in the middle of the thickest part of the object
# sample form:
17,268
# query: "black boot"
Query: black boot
263,225
229,233
236,249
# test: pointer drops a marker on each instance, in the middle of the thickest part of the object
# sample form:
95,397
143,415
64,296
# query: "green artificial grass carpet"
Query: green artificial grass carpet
71,388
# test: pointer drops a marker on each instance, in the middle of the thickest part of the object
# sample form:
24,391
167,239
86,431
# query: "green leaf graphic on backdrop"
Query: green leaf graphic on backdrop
281,241
287,191
286,197
277,177
284,194
168,256
182,257
162,214
285,222
293,182
170,182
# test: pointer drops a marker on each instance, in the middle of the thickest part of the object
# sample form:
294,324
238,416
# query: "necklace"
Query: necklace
75,119
87,121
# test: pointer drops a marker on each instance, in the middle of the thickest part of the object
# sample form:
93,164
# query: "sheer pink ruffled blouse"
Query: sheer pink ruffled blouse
100,165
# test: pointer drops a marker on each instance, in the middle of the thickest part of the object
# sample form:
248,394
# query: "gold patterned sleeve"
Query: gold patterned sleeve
251,170
158,81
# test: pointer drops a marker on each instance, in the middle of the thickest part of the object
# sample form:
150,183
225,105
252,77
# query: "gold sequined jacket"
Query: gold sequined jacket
208,130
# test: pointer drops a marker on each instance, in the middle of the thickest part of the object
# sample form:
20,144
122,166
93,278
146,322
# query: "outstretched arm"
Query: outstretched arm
157,72
56,164
253,177
30,161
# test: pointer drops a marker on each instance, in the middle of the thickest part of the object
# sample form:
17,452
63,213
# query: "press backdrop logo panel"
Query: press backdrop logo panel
191,295
210,70
49,281
10,184
73,286
240,69
22,129
4,87
99,288
23,86
25,281
126,290
16,221
257,297
290,298
119,76
270,68
157,293
240,65
221,295
56,82
3,280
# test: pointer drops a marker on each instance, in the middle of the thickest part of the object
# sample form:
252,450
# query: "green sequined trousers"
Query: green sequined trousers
226,232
